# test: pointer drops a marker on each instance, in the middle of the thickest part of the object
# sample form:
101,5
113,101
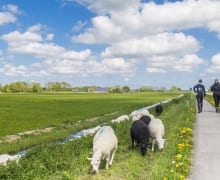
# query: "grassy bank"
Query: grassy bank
69,161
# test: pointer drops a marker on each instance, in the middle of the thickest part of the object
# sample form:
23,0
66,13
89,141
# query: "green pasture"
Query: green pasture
67,112
69,161
22,112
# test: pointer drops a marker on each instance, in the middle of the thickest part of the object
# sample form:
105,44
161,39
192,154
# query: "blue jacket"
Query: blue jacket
199,89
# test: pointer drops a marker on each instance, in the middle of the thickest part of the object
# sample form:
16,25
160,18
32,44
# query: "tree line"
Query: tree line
16,87
34,87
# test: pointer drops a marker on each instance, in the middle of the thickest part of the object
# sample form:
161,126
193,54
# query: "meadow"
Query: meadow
66,113
69,161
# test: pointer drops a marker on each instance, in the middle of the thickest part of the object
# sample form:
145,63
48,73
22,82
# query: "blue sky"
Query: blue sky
106,42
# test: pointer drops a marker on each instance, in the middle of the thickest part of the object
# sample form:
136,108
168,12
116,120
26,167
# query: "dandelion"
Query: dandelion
181,145
189,129
188,145
182,176
165,178
182,131
178,156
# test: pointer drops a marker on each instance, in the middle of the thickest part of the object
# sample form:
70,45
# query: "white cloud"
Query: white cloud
78,26
35,28
163,64
11,8
155,70
12,70
139,20
149,31
8,15
160,44
16,38
107,31
117,66
32,42
49,37
215,64
56,60
133,33
107,6
81,55
89,68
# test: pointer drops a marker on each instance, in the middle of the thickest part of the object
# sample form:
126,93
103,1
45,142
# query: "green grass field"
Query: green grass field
68,161
66,112
22,112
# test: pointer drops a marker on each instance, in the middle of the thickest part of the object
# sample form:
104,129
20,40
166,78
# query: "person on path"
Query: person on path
215,88
199,90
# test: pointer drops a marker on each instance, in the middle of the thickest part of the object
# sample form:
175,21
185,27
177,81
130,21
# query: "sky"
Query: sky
160,43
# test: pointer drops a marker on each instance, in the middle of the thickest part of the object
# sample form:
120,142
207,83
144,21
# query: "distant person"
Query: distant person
215,88
199,90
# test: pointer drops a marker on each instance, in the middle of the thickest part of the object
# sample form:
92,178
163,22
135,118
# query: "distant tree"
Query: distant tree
125,89
6,89
36,87
110,89
58,86
145,88
174,88
116,89
18,87
91,89
65,86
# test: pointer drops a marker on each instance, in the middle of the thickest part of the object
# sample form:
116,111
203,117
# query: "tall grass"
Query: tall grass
69,161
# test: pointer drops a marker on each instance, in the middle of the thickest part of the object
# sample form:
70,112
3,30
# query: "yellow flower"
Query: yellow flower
178,156
165,178
183,131
181,145
177,165
188,145
182,177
